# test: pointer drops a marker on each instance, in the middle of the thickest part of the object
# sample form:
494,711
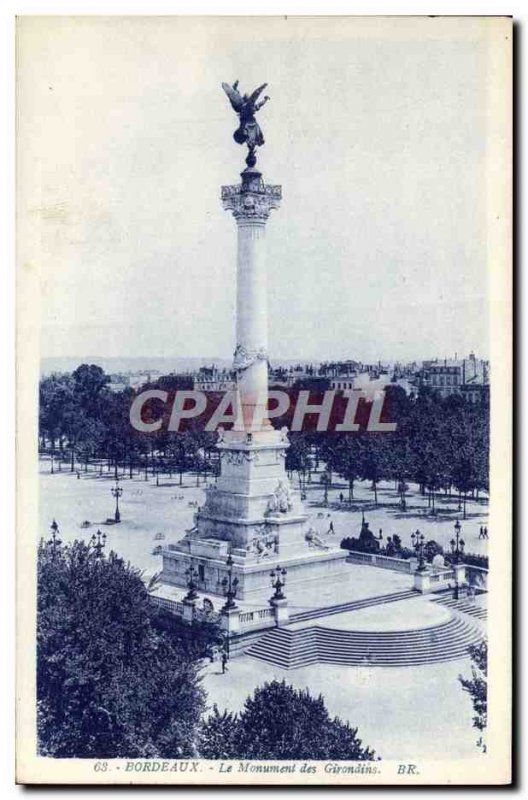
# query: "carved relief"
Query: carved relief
239,457
281,501
263,544
244,358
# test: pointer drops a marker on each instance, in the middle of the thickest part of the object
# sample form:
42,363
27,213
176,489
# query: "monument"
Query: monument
252,520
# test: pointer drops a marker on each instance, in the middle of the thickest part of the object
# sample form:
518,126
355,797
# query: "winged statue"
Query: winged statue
246,106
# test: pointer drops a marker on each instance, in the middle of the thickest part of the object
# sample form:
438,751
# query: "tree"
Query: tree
298,457
55,392
477,685
432,549
346,460
463,476
110,683
218,736
280,722
373,458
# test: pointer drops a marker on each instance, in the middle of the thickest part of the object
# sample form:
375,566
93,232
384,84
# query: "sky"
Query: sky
376,130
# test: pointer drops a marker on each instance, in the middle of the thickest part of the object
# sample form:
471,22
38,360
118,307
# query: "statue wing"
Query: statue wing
234,96
256,94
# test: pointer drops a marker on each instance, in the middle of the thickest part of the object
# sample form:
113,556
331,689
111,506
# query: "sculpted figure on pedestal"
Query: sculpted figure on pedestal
281,500
246,106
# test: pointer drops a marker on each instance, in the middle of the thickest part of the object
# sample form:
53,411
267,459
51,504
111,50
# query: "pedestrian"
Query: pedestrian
341,497
481,532
331,528
485,532
224,663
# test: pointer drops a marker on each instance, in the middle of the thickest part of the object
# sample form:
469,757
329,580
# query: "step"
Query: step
292,649
353,605
480,612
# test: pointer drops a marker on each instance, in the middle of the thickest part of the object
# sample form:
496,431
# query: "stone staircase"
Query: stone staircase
463,606
291,649
353,605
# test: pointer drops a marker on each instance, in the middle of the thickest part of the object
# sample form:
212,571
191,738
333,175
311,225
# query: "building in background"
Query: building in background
468,377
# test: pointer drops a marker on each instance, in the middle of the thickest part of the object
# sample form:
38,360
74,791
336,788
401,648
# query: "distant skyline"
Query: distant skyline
166,364
376,131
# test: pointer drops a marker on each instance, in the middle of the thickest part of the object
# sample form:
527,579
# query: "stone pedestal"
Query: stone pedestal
460,572
422,581
280,608
230,620
188,610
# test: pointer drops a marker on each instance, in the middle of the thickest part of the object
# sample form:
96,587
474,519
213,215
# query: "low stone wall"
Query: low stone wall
256,619
477,577
379,560
261,617
172,606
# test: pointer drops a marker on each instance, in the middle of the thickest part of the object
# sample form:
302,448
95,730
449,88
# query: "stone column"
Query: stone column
251,202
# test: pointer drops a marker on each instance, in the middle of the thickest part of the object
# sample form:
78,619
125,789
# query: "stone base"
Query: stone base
280,608
253,578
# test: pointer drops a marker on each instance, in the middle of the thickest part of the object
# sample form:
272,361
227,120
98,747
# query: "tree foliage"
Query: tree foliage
110,683
477,685
439,443
281,722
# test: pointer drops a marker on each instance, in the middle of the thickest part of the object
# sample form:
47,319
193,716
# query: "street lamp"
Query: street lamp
225,644
98,544
277,583
418,540
54,541
117,491
457,549
229,586
192,594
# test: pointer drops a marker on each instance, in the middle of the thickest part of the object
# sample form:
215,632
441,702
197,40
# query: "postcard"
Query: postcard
264,374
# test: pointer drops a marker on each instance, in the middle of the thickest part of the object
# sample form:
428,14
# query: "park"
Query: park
83,503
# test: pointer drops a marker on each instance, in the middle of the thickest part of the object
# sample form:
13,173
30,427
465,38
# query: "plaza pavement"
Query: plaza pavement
407,713
147,509
404,713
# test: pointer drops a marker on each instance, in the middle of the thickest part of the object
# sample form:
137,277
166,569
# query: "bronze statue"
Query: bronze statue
246,106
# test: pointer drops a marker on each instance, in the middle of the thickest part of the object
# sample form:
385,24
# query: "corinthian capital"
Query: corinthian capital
252,204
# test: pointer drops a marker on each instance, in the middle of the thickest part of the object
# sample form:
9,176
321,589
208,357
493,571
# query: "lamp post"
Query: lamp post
418,541
192,594
277,583
54,541
229,586
325,480
98,544
225,645
457,549
117,491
